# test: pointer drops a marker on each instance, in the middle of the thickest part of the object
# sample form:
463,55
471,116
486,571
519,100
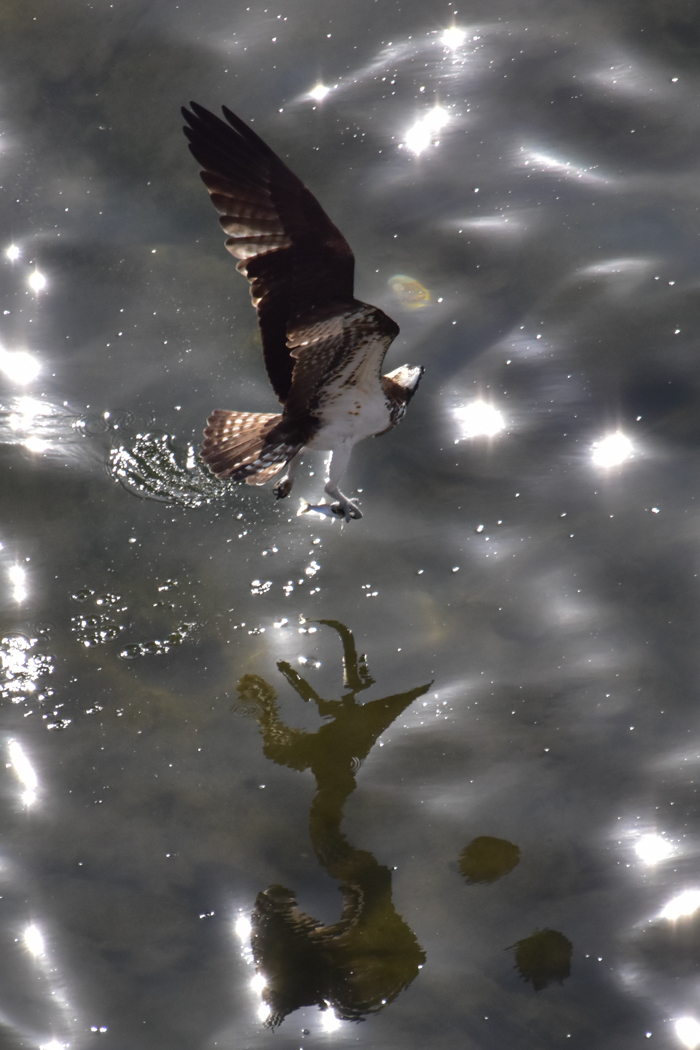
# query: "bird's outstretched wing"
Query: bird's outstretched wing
332,354
299,265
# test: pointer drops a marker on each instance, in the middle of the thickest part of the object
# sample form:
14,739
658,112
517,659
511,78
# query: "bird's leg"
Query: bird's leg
284,486
337,466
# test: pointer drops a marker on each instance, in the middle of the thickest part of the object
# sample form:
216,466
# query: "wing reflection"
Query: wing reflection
359,964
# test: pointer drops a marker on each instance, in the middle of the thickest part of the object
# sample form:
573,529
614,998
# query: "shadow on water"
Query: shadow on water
359,964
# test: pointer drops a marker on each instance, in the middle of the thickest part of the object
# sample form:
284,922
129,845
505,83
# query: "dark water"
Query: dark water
430,778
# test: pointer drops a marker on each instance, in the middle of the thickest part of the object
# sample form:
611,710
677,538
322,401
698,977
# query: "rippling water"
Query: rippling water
267,775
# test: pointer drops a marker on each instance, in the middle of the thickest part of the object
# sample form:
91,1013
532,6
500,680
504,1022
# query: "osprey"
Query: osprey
323,348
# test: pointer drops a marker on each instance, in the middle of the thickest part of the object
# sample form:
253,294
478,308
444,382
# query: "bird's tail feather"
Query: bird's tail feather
237,445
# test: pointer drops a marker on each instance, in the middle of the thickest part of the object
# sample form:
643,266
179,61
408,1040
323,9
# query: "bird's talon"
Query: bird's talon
283,487
347,510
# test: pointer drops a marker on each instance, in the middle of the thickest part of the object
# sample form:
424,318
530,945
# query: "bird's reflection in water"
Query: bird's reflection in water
359,964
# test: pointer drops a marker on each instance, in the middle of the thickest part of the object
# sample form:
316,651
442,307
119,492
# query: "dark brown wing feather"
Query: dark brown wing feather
239,445
298,264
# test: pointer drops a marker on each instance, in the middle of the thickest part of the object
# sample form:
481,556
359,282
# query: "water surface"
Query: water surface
427,779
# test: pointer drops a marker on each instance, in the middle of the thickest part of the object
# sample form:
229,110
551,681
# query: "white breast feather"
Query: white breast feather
352,404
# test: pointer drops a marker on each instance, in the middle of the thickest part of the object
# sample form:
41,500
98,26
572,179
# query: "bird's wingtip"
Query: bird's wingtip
199,111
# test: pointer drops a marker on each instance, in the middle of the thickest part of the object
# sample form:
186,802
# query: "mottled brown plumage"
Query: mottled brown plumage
323,348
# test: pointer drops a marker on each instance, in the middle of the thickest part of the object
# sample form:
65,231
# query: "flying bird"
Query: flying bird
323,348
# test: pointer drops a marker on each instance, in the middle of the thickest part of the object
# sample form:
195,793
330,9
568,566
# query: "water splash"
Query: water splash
152,468
21,669
95,630
98,628
157,646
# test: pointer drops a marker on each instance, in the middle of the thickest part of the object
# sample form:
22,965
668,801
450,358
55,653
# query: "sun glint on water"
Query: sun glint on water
688,1031
612,450
479,419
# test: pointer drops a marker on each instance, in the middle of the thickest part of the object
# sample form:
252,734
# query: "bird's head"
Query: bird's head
403,381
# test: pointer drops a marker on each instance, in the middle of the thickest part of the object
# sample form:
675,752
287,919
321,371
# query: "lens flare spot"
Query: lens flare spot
12,252
409,291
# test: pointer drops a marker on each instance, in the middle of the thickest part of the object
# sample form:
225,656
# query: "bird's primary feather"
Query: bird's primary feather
298,263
